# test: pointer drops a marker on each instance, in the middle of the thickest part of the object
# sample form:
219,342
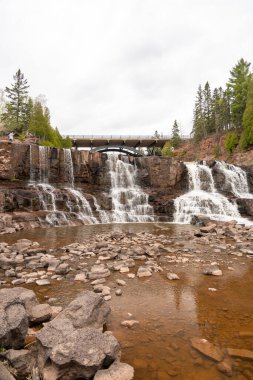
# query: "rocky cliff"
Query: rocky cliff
24,167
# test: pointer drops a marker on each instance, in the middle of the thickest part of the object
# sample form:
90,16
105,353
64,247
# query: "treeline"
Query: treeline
25,117
227,110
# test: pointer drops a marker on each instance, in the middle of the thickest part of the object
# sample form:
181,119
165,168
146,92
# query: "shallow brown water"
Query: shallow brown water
170,312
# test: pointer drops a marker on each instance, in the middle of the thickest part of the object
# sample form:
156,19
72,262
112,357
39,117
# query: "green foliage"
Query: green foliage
246,139
231,141
168,149
14,117
217,151
175,134
40,127
20,115
238,89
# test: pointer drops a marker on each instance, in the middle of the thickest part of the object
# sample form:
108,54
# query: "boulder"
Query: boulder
87,310
40,313
14,304
22,361
117,371
5,374
72,345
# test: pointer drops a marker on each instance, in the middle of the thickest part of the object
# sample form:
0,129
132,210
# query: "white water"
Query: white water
203,198
129,201
235,180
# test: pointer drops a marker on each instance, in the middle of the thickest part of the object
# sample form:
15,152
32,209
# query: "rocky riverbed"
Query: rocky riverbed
171,293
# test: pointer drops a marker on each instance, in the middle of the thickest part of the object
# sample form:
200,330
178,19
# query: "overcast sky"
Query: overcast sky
122,66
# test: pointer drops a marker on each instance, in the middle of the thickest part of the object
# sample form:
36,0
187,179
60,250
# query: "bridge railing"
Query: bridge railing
122,137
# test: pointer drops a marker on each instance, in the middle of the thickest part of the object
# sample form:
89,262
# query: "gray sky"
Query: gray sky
122,66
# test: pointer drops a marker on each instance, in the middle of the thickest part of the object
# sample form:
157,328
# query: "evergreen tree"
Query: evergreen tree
207,109
246,139
15,114
220,110
199,128
175,134
238,88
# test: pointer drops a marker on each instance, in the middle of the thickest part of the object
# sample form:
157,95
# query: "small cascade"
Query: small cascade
129,202
104,216
235,180
32,168
203,198
84,211
44,164
68,167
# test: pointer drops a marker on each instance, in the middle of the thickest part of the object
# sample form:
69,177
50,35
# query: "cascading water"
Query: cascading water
203,198
129,202
84,211
235,180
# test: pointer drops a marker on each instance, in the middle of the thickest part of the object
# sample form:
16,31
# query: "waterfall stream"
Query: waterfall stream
129,201
203,197
76,202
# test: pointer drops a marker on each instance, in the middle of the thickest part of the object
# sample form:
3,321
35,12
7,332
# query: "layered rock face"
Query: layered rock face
23,168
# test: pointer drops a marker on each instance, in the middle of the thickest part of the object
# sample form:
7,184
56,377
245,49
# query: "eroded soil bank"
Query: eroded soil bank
212,299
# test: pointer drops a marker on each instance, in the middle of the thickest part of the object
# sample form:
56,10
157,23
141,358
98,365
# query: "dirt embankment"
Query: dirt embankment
212,148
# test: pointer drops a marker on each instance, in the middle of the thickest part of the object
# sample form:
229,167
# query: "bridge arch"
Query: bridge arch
118,148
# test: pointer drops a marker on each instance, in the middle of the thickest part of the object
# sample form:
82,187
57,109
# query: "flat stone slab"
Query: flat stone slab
240,353
208,349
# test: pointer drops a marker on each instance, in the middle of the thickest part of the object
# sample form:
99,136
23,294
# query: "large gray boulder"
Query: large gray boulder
14,320
87,310
73,346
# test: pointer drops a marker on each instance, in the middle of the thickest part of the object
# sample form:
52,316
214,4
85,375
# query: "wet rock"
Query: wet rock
117,371
98,271
130,323
225,367
40,313
43,282
172,276
62,269
207,349
240,353
80,277
212,270
144,272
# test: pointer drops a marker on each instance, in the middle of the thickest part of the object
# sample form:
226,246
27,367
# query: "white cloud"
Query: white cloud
122,66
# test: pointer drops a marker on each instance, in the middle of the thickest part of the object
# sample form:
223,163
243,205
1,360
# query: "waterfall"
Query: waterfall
84,211
203,198
235,180
32,169
104,216
129,201
68,167
44,163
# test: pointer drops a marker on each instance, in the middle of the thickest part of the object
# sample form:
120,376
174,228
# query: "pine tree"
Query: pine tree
175,134
15,114
246,139
238,88
199,128
207,109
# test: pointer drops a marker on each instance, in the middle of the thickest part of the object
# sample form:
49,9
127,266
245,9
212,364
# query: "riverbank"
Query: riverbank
171,285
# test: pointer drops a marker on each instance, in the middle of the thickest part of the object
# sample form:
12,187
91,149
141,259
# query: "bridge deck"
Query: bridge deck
90,141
